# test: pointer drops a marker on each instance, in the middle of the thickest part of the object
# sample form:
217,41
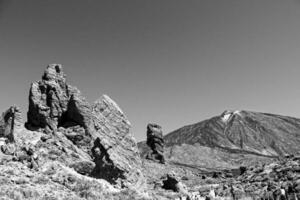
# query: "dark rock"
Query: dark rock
83,167
8,148
9,121
216,174
54,103
171,182
44,138
77,135
105,167
79,111
48,99
243,169
289,156
185,178
156,142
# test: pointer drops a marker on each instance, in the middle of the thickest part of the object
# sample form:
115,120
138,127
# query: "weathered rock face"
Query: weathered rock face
10,120
48,99
100,129
156,142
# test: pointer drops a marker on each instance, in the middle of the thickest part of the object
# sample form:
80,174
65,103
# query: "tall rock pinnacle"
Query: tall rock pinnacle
10,120
48,99
156,142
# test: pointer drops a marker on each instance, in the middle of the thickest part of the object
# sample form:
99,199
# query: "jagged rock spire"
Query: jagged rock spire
48,99
156,142
9,121
52,101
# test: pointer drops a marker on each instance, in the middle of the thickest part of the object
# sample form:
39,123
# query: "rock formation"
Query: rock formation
10,120
156,142
54,103
113,130
100,129
48,99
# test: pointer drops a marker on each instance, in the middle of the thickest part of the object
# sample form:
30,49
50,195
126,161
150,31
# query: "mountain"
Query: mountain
236,155
232,139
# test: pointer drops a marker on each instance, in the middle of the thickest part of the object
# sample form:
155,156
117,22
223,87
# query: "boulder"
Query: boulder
171,182
156,142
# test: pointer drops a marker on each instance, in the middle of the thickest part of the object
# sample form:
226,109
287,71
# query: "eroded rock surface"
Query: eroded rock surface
48,99
116,144
10,120
156,142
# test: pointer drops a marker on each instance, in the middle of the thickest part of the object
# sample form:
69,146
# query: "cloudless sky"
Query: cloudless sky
165,61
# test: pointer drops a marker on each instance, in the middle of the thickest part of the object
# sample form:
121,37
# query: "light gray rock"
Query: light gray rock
116,143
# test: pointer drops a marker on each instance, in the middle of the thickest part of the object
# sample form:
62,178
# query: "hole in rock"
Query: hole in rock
57,69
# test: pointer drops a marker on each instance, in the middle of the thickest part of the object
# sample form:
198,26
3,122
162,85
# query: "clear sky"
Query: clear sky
165,61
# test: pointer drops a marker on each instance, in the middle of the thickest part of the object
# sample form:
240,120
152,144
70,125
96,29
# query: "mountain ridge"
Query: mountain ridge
232,139
256,122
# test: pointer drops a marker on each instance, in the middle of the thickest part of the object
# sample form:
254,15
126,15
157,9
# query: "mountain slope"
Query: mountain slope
232,139
261,133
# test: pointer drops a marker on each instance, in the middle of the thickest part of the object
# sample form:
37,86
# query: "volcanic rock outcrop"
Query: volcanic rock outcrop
10,120
100,130
156,142
48,99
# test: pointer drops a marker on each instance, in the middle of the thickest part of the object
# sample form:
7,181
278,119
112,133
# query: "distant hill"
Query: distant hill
232,139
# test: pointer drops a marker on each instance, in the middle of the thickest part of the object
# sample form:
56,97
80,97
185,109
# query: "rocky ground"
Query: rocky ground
265,181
